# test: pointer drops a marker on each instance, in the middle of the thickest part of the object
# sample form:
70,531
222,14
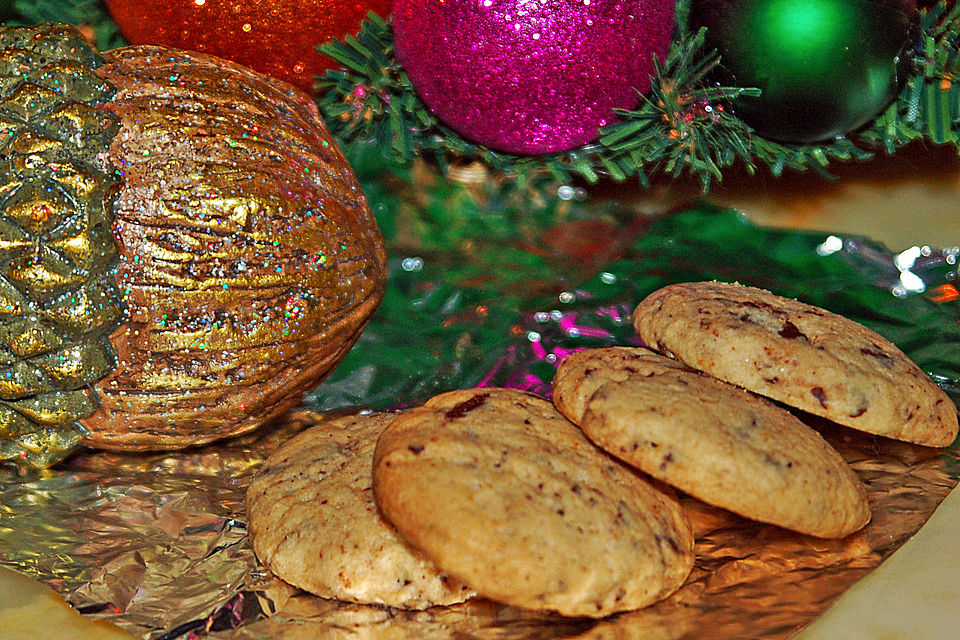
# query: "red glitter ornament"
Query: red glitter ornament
276,37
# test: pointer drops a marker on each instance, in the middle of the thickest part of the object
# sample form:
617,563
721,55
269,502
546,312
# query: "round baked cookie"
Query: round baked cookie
717,442
503,492
582,373
799,354
314,523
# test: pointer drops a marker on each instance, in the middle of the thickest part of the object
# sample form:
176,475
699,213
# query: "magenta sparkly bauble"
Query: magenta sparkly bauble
530,76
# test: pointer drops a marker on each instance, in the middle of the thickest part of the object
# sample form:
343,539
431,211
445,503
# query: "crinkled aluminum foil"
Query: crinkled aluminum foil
157,544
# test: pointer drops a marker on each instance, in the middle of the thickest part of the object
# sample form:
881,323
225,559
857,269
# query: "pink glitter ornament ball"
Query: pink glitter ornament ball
530,76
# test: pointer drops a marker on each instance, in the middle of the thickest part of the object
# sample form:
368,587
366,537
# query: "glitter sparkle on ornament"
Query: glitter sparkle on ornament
530,77
276,37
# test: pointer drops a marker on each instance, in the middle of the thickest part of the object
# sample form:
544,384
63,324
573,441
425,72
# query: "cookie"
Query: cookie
503,492
800,355
717,442
313,522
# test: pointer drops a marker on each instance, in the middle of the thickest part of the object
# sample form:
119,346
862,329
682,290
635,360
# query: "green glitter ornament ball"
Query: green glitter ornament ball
825,67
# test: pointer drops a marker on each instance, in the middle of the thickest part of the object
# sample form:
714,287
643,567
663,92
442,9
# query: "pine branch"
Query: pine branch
928,107
373,99
681,126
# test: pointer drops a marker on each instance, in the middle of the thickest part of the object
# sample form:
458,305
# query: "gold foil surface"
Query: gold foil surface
157,545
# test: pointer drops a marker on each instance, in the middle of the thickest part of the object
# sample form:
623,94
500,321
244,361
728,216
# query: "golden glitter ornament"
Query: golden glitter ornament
276,37
184,251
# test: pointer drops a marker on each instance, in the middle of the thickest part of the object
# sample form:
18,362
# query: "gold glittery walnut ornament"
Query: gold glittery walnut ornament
184,251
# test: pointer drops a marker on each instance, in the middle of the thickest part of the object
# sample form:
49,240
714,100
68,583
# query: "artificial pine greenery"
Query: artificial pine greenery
682,125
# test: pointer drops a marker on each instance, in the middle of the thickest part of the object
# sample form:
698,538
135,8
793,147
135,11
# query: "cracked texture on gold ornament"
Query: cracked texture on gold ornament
249,257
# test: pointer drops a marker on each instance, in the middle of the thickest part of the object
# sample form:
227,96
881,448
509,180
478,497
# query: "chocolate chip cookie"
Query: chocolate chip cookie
800,355
314,523
503,492
717,442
